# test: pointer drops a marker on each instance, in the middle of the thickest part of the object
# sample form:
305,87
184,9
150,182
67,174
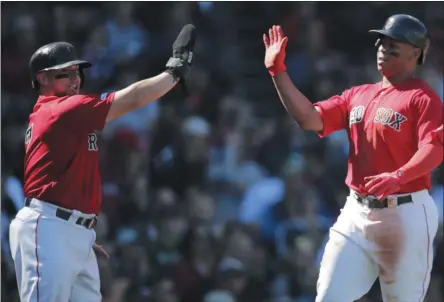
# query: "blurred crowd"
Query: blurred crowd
211,194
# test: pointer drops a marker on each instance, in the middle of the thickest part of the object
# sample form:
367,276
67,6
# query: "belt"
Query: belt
390,202
65,215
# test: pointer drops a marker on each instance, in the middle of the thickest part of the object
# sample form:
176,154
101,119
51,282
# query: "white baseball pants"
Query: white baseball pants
54,259
349,265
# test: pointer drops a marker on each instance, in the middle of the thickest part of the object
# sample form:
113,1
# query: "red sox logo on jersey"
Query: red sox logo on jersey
356,114
384,116
390,118
92,142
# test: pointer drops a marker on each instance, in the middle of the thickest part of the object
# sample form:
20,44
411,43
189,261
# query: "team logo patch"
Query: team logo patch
28,134
389,23
103,96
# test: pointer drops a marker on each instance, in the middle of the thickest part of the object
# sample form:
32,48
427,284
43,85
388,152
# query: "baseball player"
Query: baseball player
52,237
389,220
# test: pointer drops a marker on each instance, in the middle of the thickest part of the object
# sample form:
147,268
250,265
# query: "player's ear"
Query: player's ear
416,53
43,79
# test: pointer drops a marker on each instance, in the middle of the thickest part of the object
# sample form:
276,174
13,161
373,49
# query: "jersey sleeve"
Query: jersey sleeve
84,112
434,136
429,113
334,113
438,134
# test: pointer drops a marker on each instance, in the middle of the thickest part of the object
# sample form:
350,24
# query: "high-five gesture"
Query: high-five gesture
275,45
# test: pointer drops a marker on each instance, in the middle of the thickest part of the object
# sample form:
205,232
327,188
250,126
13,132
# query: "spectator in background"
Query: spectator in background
166,231
126,38
15,72
179,146
230,281
165,290
96,50
194,274
259,199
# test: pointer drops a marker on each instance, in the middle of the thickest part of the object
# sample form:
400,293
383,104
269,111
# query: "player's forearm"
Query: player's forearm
296,104
151,89
140,94
425,160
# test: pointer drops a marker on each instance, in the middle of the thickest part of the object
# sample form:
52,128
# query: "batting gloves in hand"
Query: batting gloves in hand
275,46
179,65
384,184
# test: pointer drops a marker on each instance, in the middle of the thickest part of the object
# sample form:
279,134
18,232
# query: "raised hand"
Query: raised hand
275,45
179,65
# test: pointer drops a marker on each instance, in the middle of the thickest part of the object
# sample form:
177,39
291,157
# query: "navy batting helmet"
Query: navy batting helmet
407,29
54,56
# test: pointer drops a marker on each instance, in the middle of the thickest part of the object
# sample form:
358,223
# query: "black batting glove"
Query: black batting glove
179,65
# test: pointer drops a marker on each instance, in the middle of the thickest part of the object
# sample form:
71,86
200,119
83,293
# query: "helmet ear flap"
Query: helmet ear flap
36,86
424,51
35,83
82,77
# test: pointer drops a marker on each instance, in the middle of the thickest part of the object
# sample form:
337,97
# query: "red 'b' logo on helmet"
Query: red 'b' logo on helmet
389,23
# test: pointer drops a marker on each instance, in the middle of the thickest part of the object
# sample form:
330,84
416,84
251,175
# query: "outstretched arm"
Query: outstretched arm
148,90
140,94
296,104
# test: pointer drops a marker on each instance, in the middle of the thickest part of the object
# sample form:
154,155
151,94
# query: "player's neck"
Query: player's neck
50,93
46,92
392,81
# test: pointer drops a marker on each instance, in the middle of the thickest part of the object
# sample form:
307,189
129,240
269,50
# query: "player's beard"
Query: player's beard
69,91
72,90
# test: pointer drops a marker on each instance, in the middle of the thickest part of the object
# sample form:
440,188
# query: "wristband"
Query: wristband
275,70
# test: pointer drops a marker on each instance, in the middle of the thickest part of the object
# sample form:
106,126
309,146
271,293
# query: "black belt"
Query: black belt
390,202
65,215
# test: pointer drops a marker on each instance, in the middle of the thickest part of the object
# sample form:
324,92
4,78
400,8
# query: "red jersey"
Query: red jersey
61,159
437,134
385,126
